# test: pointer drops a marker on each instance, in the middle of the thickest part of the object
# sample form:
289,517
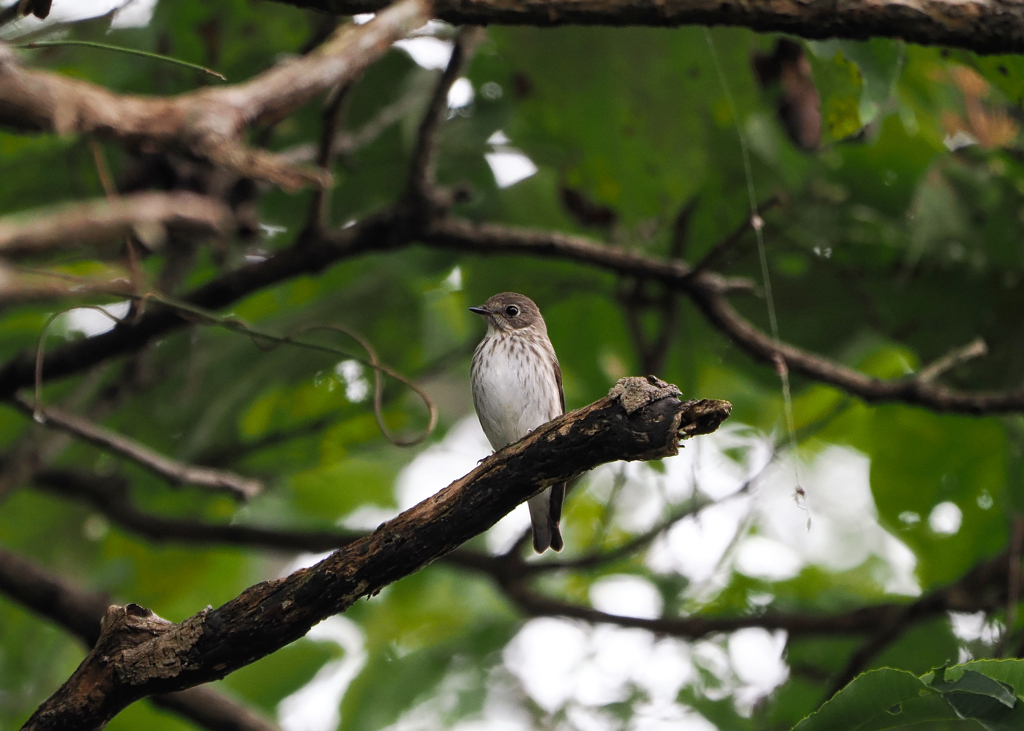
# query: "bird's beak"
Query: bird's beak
480,310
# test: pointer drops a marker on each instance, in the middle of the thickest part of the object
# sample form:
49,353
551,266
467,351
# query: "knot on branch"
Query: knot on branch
689,418
130,624
635,392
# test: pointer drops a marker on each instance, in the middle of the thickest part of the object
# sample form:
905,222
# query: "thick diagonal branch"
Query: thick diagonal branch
140,654
981,589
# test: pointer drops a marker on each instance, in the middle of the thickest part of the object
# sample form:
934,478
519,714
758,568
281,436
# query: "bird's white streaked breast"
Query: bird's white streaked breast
511,397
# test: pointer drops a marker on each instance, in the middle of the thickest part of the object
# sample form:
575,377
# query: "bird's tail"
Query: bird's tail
545,512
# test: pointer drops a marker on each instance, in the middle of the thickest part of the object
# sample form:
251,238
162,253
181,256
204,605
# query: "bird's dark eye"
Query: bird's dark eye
511,311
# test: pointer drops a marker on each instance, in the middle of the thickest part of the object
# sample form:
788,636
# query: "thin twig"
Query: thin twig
227,454
955,357
175,472
110,190
719,250
422,168
333,112
123,49
262,338
681,228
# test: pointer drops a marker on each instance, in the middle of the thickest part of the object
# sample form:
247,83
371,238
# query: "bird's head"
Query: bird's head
510,311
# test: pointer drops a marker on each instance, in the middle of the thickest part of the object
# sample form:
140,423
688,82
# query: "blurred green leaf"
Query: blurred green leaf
840,84
338,488
269,680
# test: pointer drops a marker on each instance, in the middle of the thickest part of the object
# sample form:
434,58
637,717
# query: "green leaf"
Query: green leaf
890,699
976,692
1010,672
615,90
971,682
876,700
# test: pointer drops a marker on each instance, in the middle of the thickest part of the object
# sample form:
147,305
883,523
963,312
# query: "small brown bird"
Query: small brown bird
517,386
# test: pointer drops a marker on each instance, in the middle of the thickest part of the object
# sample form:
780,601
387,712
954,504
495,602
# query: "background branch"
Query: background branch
913,390
75,225
986,26
110,495
707,291
207,122
392,230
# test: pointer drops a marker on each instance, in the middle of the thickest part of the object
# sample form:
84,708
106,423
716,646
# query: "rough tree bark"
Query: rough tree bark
139,654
